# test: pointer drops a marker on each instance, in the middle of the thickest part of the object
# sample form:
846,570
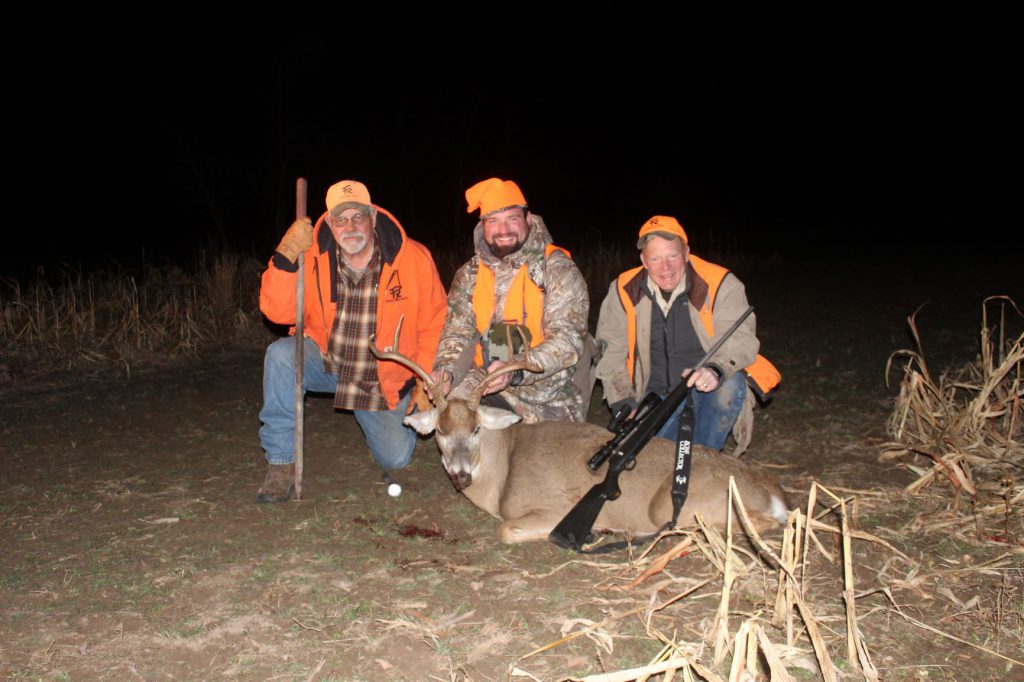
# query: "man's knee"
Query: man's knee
730,393
396,451
280,353
390,441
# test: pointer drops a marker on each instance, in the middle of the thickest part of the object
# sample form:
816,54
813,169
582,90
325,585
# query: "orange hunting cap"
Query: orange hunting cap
348,193
661,226
493,194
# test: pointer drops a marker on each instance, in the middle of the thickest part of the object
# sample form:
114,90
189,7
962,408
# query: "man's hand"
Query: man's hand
297,239
704,379
499,384
444,380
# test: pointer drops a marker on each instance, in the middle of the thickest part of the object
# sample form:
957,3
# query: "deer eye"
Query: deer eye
476,430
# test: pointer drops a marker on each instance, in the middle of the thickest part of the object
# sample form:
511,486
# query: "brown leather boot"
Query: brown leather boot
279,484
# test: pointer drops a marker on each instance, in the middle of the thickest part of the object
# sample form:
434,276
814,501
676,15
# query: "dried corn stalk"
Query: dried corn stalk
968,422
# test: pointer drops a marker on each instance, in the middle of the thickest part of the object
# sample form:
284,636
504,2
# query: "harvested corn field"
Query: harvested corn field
133,548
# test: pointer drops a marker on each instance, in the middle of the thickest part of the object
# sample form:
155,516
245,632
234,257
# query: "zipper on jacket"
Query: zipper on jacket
668,369
319,294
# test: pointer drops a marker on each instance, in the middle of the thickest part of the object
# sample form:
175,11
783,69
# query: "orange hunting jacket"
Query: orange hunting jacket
524,302
409,286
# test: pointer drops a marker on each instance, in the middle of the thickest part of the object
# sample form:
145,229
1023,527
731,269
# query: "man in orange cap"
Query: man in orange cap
657,322
362,275
518,280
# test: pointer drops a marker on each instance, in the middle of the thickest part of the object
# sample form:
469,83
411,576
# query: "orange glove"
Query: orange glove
297,239
420,399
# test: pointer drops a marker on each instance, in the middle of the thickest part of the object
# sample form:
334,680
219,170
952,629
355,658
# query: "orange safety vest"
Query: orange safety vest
524,302
763,375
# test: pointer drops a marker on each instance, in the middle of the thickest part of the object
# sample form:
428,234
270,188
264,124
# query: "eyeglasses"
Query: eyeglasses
359,219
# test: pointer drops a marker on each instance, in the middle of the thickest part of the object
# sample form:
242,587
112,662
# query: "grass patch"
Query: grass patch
261,575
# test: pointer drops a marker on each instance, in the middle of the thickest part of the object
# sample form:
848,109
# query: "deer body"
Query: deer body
531,475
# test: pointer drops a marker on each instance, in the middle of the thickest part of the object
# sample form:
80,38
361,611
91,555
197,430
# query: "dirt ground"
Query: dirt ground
132,548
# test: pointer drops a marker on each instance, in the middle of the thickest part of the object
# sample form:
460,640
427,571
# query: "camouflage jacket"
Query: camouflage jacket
548,395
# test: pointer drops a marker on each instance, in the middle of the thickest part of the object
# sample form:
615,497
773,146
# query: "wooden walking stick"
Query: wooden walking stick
300,389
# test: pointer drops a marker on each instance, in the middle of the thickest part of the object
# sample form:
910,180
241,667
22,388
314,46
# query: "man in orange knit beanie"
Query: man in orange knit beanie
517,284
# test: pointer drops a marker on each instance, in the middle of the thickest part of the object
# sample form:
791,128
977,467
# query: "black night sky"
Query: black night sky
833,133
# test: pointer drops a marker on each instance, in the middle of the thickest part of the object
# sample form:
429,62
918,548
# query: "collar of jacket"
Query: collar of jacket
697,293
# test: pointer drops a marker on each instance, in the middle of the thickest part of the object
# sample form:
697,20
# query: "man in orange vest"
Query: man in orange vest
517,278
362,275
657,322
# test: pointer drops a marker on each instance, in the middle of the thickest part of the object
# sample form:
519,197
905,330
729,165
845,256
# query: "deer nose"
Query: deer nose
461,479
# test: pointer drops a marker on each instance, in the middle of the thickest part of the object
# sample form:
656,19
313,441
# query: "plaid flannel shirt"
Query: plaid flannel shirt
348,349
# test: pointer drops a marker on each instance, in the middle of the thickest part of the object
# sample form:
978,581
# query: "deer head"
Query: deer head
458,425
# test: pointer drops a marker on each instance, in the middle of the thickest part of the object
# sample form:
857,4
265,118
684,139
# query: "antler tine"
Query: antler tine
398,333
433,387
526,363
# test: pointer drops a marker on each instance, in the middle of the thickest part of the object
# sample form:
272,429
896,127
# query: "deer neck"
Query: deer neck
489,479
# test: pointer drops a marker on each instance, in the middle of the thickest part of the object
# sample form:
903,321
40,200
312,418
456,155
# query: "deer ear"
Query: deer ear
422,422
495,418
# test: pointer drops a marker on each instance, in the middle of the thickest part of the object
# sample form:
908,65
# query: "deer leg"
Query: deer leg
528,528
659,510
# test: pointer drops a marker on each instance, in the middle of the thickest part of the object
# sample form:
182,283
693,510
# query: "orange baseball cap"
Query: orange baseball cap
493,194
661,226
346,192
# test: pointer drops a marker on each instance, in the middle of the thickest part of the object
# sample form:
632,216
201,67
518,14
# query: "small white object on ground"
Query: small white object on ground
394,490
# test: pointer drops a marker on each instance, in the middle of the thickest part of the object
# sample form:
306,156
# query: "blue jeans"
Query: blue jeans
714,413
390,441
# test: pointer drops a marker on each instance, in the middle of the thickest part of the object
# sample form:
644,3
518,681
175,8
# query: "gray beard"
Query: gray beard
351,248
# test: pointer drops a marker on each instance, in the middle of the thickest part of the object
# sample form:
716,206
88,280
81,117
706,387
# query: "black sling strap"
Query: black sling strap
684,446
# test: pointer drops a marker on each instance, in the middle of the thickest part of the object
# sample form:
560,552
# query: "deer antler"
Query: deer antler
433,387
526,363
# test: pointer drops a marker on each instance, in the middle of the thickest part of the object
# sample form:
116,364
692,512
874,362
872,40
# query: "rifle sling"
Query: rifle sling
684,457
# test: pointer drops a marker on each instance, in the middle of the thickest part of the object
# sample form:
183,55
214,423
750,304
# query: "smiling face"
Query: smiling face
506,231
353,230
665,260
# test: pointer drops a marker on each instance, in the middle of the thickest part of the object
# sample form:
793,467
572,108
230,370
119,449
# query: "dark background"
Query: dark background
852,133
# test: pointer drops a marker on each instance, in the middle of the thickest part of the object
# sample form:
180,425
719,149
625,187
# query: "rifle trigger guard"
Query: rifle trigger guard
631,465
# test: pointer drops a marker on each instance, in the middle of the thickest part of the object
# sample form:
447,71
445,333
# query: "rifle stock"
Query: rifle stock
575,529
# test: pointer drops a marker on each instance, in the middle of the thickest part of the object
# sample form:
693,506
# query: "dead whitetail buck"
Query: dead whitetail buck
531,475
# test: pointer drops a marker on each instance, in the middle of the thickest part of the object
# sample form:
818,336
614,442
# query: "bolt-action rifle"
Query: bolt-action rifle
574,531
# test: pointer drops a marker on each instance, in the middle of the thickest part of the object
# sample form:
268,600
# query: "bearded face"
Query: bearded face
506,231
352,229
